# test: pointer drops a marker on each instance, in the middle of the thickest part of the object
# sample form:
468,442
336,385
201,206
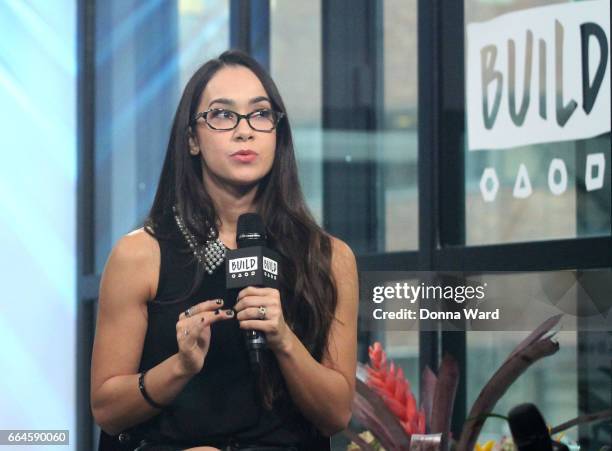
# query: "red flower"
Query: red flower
394,388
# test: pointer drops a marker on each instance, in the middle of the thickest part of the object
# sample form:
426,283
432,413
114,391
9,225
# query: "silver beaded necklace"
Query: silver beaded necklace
211,254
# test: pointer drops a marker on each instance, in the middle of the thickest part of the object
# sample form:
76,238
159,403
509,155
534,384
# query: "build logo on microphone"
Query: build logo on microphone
243,267
253,265
270,268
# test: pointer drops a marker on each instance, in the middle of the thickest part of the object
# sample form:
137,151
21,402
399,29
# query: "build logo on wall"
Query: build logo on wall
538,76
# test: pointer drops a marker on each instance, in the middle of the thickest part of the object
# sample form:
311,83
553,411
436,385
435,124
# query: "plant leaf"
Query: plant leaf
444,396
499,383
364,413
428,388
370,408
534,336
582,420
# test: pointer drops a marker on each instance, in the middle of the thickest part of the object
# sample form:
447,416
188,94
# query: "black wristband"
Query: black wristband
145,395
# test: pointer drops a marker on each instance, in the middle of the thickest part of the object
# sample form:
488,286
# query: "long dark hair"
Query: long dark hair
307,288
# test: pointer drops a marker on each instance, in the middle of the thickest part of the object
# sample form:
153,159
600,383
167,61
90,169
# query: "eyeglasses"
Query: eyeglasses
264,120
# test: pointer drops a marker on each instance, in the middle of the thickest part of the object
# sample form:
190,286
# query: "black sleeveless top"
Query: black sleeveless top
219,405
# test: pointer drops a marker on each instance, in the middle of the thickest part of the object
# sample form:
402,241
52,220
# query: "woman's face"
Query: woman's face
241,156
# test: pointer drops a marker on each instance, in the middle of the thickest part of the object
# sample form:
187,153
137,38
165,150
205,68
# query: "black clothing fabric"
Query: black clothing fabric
220,405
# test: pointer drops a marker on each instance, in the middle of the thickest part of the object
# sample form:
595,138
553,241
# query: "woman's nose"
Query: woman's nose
243,130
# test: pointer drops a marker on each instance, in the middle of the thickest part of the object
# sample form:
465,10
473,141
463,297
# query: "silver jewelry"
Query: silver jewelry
210,255
262,312
186,332
188,312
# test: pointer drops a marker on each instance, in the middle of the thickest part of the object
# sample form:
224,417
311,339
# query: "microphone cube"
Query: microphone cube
251,266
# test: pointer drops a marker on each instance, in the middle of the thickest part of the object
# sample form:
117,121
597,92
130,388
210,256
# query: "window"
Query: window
538,191
138,86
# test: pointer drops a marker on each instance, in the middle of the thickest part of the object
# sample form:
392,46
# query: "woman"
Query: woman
169,368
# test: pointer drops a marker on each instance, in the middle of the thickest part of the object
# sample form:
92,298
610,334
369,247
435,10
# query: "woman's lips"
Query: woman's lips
244,156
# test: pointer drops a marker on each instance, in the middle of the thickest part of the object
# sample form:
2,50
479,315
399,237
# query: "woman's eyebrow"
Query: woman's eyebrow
226,101
259,99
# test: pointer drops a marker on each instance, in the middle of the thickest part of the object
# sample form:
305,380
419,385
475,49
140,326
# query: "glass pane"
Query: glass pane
390,151
138,85
295,65
399,140
554,188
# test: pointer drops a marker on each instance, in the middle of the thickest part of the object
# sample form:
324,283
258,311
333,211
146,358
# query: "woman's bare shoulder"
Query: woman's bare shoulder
343,261
343,257
138,245
138,251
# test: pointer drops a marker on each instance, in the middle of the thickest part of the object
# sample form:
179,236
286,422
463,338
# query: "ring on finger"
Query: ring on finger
262,312
188,312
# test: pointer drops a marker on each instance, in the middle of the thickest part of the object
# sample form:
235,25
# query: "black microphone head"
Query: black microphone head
529,428
250,231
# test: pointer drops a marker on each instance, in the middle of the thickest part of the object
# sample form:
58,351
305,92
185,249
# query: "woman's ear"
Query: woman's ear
194,147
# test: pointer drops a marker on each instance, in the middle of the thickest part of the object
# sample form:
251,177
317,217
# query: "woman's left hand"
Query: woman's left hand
273,324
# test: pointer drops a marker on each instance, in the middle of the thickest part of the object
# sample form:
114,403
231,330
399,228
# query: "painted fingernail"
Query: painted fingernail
229,312
219,301
217,312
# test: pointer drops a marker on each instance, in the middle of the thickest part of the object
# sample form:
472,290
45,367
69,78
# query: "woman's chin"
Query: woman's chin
245,182
247,178
243,178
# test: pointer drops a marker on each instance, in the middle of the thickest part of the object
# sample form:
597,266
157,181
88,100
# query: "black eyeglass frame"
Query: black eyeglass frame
202,114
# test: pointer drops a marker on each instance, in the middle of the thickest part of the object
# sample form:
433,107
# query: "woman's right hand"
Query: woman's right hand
193,333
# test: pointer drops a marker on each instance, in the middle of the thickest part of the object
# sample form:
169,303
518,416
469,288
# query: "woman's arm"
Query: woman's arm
324,391
129,280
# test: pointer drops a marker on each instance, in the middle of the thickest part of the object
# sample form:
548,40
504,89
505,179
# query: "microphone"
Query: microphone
252,264
250,231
